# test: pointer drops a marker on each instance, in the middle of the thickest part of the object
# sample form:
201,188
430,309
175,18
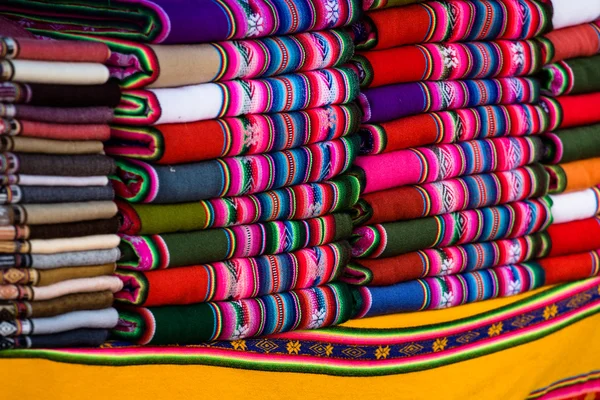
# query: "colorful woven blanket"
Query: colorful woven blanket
574,76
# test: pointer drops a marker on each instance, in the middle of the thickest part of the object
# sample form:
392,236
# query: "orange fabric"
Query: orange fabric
582,174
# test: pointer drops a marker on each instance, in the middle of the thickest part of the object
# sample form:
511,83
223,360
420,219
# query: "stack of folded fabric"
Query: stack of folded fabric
455,201
234,144
58,220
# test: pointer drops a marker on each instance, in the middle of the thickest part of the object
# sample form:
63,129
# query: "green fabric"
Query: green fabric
410,235
586,72
579,143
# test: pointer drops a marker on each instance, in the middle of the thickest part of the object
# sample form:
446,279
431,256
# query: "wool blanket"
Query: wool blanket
235,279
76,338
291,203
574,110
48,180
449,61
14,194
391,102
576,206
450,291
438,163
574,176
313,308
106,319
82,285
55,231
59,165
11,310
186,21
470,192
205,101
61,95
575,237
446,261
567,13
248,134
53,72
60,115
48,146
144,253
453,21
572,144
43,214
60,260
575,41
43,130
23,48
574,76
37,277
139,182
484,224
453,126
53,246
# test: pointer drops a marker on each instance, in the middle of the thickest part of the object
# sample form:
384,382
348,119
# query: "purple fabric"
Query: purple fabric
387,103
82,115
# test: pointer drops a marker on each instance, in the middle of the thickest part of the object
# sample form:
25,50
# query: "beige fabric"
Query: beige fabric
84,285
182,65
60,213
65,73
53,246
46,146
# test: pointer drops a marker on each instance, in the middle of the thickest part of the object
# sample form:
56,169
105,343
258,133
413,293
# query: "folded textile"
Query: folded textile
484,224
574,176
48,146
575,41
235,279
313,308
53,72
575,237
53,246
470,192
106,318
64,115
575,206
139,182
574,76
36,277
46,180
570,13
186,21
107,95
205,101
40,214
249,134
55,231
44,130
69,339
574,110
14,194
291,203
60,260
446,261
391,102
454,126
572,144
23,48
454,21
145,253
450,291
10,310
60,165
377,4
438,163
449,61
81,285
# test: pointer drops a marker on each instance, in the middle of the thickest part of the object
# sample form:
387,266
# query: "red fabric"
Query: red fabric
575,237
195,141
400,25
177,286
580,110
62,50
65,131
400,64
570,268
575,41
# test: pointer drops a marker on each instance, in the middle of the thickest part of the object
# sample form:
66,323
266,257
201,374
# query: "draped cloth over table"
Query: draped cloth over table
205,101
236,279
313,308
484,224
575,76
391,102
146,253
470,192
290,203
454,126
248,134
454,290
575,41
454,21
137,181
184,21
437,163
